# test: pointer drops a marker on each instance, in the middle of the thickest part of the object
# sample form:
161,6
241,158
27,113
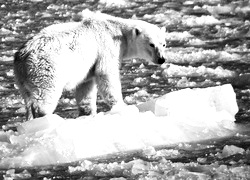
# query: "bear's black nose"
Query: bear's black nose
161,60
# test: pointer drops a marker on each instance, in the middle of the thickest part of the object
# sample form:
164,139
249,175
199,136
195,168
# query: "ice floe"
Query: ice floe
181,116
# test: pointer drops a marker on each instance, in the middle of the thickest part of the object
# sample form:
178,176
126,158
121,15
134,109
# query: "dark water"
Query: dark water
22,19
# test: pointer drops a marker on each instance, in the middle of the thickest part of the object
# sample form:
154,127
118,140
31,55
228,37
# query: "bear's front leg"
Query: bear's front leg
109,86
86,91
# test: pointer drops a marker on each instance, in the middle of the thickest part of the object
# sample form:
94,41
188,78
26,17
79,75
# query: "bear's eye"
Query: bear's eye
152,45
164,45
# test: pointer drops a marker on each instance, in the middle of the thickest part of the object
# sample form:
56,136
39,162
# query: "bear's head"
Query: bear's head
148,42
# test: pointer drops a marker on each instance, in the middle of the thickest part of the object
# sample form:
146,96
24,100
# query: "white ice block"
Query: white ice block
180,116
193,102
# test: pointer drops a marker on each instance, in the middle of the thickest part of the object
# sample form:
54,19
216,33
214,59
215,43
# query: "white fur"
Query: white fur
84,56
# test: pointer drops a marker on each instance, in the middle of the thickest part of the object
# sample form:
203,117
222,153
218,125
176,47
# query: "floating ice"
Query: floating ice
180,116
172,70
200,21
229,150
191,55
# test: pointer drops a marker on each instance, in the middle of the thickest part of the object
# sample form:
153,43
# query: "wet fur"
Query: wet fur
84,56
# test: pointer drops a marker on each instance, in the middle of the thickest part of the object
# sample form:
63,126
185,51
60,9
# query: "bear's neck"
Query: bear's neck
127,44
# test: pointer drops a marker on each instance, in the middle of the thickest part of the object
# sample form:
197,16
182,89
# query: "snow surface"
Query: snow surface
181,116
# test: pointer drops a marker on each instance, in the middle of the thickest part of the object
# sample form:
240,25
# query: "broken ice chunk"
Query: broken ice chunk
194,102
39,124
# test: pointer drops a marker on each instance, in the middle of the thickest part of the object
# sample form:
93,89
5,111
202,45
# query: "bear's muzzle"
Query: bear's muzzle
160,57
160,60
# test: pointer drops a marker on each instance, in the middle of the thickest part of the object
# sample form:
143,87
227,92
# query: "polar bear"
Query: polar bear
83,56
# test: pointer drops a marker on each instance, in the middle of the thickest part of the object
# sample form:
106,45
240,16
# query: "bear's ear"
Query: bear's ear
136,32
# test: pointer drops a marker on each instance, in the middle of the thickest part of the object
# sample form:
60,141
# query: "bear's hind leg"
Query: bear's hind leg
41,102
86,91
